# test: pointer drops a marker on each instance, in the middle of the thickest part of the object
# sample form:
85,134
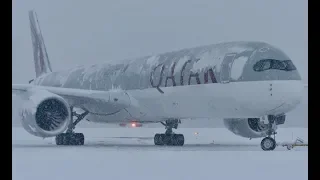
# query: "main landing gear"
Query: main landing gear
70,137
268,143
169,137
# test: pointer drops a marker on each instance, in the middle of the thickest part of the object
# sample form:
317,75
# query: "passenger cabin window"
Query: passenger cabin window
266,64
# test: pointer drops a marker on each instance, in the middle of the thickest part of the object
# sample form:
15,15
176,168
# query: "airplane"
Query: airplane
250,85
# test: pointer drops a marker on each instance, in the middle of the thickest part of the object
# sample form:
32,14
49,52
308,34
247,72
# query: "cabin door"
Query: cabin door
226,65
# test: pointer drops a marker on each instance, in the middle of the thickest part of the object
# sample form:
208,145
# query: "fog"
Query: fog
86,32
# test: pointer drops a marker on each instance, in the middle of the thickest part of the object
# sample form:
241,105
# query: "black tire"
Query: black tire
179,139
70,139
157,139
174,139
75,139
65,139
59,139
166,139
268,144
80,139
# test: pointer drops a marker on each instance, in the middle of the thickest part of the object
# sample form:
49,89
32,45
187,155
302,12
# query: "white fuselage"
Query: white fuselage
231,100
227,80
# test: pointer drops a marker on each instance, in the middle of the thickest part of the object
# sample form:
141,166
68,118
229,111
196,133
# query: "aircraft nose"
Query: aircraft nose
287,94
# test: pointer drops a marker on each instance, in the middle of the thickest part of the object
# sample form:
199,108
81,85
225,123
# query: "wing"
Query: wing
108,101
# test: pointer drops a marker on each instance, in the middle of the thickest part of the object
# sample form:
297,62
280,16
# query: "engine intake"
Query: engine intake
51,114
248,127
45,114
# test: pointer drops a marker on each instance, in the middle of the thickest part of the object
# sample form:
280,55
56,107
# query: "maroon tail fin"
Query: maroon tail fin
40,56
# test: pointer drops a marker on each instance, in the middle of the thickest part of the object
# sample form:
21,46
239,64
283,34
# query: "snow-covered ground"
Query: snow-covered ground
129,153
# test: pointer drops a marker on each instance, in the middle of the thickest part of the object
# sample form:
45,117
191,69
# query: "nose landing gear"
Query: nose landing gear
268,143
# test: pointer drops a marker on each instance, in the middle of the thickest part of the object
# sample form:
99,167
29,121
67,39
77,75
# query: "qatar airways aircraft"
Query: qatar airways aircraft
249,85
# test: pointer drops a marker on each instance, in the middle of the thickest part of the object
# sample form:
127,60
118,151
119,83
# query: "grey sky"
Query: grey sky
82,32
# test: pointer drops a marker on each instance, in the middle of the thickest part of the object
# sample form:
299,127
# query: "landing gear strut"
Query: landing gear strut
169,137
70,137
268,143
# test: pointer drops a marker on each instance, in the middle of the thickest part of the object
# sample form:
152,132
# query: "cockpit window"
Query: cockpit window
290,66
266,64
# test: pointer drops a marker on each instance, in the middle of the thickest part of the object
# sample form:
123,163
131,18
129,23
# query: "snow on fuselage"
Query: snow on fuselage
226,80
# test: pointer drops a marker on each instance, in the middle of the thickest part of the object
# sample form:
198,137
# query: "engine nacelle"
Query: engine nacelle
44,114
248,127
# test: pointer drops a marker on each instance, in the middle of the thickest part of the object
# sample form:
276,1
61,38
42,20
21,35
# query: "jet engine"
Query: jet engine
44,114
248,127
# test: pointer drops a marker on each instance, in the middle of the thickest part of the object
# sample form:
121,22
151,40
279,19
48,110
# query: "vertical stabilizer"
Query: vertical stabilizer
40,56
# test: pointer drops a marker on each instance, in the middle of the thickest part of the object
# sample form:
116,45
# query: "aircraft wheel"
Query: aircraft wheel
169,139
78,139
268,144
158,139
178,139
59,139
70,139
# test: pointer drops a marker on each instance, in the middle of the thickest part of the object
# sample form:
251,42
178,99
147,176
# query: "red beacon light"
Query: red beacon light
131,124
